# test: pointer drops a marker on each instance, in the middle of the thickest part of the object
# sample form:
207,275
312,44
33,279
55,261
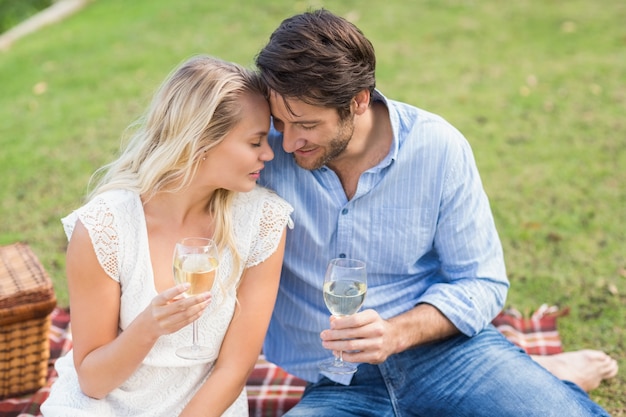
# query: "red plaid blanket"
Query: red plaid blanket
536,334
271,390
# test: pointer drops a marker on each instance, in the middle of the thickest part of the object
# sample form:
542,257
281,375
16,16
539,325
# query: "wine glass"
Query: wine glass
195,260
345,285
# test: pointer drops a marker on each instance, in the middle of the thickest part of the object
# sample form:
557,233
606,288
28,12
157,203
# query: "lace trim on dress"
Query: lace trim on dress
100,222
275,215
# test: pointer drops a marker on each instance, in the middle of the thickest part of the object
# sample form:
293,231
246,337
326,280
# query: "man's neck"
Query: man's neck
370,144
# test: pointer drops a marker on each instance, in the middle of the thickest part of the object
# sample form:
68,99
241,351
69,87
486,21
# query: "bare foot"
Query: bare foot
586,368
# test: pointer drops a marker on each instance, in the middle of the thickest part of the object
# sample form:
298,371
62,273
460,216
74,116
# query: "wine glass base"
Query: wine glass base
335,366
196,352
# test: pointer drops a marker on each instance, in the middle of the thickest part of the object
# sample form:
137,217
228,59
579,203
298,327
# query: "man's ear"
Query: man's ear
361,101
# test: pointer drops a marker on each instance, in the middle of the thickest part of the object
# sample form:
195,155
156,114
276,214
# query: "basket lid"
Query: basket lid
23,280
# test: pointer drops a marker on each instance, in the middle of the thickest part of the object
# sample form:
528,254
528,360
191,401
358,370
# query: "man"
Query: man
397,187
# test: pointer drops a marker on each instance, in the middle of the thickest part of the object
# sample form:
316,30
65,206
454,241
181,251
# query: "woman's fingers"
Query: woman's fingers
172,310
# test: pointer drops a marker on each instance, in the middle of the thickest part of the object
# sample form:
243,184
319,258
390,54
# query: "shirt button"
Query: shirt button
344,211
342,255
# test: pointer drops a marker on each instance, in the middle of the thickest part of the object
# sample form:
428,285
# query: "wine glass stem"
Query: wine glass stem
340,359
195,332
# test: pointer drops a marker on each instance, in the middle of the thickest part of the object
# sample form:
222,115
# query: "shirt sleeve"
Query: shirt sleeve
469,248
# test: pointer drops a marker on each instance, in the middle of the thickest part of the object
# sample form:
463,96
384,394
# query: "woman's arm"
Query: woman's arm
102,358
244,339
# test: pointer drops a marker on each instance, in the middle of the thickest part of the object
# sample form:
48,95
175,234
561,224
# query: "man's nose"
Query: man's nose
291,141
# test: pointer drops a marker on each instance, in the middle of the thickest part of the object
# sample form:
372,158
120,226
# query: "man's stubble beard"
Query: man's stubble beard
335,148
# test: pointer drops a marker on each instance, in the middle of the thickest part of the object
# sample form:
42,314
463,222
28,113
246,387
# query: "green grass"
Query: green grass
12,12
538,88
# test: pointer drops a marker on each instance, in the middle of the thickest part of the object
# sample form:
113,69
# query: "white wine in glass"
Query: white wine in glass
195,261
345,286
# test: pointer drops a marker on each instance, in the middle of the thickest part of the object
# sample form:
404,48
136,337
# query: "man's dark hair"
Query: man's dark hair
319,58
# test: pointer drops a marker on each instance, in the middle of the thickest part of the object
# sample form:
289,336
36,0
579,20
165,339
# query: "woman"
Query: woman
190,170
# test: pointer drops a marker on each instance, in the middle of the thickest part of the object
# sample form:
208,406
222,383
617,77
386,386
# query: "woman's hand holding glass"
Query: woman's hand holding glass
171,310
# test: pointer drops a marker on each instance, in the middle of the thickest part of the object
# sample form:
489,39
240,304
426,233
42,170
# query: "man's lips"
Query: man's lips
306,152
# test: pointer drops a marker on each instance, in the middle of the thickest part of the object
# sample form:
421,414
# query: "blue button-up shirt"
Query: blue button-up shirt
421,221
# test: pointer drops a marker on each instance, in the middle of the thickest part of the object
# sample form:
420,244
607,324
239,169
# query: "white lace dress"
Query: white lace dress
164,383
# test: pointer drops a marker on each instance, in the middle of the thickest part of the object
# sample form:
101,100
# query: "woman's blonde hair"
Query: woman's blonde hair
192,111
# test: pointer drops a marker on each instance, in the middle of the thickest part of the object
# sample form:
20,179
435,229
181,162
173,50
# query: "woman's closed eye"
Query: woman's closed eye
259,142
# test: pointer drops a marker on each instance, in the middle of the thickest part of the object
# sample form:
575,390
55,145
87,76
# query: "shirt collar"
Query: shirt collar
393,116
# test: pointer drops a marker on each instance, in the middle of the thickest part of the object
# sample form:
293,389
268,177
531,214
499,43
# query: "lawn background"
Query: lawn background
537,86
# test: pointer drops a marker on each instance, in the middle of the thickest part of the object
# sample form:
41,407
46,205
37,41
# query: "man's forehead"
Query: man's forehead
284,106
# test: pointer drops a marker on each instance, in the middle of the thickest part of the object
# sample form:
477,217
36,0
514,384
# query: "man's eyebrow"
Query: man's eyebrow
295,120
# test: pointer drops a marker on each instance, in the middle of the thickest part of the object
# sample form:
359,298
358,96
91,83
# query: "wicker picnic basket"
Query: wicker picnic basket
26,301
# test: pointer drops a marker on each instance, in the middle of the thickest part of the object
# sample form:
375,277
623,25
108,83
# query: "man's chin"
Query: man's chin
308,164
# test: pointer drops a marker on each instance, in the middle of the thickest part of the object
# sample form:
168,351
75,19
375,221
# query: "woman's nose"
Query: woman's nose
267,153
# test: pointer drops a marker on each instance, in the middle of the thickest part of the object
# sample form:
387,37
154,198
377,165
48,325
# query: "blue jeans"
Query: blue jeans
485,375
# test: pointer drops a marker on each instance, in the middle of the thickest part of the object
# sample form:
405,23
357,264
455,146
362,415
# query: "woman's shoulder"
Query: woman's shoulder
118,197
108,208
259,208
261,219
260,197
118,202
